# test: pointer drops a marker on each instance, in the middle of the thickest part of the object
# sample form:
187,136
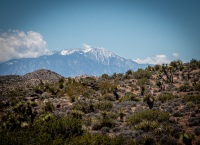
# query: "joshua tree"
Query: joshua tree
142,90
115,94
121,114
149,99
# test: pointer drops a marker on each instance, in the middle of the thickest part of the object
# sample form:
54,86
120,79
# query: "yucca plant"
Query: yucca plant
76,114
147,125
187,138
121,114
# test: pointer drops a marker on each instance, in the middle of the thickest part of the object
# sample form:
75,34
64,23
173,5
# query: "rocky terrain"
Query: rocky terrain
158,105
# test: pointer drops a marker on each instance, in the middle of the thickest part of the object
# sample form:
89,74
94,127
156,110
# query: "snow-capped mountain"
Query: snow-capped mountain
72,62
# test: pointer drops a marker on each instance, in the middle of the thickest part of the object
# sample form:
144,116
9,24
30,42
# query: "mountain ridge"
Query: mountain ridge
72,62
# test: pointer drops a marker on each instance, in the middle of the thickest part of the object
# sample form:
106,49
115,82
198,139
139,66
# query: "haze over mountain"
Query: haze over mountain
72,62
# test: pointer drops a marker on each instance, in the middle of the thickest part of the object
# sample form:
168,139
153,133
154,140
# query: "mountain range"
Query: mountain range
72,62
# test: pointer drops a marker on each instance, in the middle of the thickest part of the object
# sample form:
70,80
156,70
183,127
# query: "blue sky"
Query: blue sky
144,30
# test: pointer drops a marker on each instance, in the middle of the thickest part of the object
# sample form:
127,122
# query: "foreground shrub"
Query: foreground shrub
99,139
47,129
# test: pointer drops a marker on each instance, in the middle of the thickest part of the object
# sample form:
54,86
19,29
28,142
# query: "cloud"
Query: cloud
19,44
158,59
175,54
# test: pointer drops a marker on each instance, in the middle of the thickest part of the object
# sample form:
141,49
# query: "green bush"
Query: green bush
85,107
48,107
148,115
140,73
100,139
104,105
44,131
104,121
184,88
192,98
130,97
165,97
108,97
106,87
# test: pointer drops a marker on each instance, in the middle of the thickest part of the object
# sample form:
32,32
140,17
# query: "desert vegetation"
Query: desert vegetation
154,106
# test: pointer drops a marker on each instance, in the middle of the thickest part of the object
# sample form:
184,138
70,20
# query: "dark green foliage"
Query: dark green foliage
104,105
52,131
149,115
129,72
184,88
140,73
197,87
104,121
38,90
99,139
149,99
104,76
107,87
16,93
187,138
142,81
76,114
48,107
130,97
192,98
108,97
142,88
163,97
84,106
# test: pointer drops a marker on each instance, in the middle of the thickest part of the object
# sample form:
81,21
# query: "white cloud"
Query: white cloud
158,59
19,44
175,54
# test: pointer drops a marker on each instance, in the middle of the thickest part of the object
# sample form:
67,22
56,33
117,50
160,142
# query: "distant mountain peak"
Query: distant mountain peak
72,62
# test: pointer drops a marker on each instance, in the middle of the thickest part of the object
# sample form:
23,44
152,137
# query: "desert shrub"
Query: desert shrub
147,125
190,105
142,81
165,97
192,98
197,87
130,97
99,139
61,85
148,115
105,76
104,105
84,106
77,89
44,131
187,138
58,127
106,87
108,97
140,73
38,90
103,121
121,114
73,99
184,88
76,114
48,106
16,93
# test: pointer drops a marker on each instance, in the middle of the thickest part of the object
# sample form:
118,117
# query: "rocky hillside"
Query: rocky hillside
158,105
30,80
